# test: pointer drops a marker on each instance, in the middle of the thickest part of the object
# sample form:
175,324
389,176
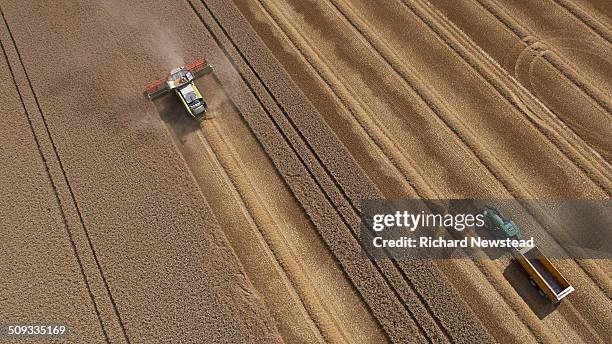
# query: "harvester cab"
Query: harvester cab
181,80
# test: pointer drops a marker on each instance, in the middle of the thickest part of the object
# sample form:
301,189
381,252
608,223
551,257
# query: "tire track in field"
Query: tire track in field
601,9
318,68
69,188
340,207
554,59
513,57
55,193
492,274
588,20
276,245
380,310
470,139
485,157
404,271
553,128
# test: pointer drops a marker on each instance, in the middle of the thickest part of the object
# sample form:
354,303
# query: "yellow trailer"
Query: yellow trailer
542,274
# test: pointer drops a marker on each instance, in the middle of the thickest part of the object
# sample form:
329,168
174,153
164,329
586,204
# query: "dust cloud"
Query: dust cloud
159,38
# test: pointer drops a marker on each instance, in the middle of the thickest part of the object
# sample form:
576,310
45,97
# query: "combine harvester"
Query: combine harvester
542,274
181,80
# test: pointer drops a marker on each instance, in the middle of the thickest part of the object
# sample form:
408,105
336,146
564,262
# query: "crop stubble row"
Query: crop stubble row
283,53
329,184
400,183
160,255
313,127
31,213
534,57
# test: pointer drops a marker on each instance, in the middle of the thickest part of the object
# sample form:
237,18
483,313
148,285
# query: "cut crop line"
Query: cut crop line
350,110
328,198
65,179
283,259
591,271
338,186
56,194
511,186
588,20
554,59
580,160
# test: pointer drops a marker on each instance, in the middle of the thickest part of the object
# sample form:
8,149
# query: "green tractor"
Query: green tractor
497,220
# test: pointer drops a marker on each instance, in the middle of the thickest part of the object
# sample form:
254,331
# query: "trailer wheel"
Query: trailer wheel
533,283
541,292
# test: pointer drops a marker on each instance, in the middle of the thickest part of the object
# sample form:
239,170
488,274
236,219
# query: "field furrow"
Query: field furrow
284,39
128,220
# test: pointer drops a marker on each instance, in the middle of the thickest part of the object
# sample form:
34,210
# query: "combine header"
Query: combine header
180,80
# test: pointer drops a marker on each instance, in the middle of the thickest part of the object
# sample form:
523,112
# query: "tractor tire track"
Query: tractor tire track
587,74
486,158
391,265
317,68
515,54
89,277
56,193
564,138
490,272
557,61
588,19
